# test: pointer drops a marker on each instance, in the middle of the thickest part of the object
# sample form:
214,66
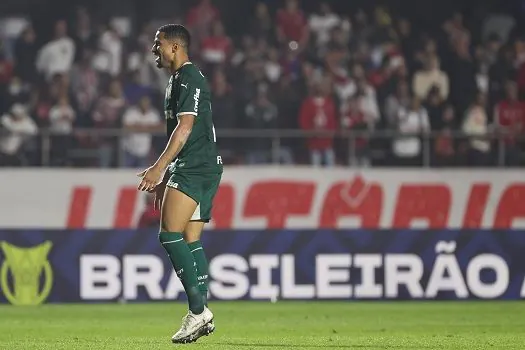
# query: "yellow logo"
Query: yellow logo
26,266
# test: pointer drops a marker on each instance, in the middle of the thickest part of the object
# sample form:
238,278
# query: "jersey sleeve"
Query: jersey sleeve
189,97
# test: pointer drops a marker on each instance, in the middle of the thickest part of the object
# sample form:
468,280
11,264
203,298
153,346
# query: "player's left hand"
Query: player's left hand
151,177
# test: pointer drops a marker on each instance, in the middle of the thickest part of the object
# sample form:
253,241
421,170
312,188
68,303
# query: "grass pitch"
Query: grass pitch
283,325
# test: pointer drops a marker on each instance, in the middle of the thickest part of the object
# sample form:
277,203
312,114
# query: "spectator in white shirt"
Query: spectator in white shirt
322,23
61,118
431,76
411,123
110,53
56,57
16,128
476,128
141,121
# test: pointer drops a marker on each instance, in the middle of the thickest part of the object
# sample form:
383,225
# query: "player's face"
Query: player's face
162,50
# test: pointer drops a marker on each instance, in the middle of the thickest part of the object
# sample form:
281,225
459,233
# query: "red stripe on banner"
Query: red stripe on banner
79,207
477,202
276,200
422,202
510,206
125,208
223,207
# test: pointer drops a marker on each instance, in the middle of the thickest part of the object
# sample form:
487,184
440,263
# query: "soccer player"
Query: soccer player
192,171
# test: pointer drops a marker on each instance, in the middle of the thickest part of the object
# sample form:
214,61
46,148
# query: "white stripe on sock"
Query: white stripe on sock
196,249
178,240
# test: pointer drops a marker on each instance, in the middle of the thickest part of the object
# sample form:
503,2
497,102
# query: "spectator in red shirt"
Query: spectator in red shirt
292,24
216,48
353,118
509,116
200,18
318,112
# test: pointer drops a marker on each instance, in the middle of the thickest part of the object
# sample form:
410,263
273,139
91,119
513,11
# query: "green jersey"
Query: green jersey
188,92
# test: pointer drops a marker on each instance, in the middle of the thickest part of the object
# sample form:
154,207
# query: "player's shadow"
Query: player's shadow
326,346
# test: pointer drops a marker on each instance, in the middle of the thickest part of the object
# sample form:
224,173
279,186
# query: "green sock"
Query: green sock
184,265
202,268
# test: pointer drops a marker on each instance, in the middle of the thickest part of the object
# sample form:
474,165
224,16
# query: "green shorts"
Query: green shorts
201,188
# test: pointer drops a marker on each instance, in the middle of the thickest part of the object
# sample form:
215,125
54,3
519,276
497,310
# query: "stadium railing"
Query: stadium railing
85,142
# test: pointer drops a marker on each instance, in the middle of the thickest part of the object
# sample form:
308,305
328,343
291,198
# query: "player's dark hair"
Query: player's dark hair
177,32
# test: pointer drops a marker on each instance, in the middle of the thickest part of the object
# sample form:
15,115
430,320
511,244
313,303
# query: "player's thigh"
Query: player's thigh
209,186
180,202
193,231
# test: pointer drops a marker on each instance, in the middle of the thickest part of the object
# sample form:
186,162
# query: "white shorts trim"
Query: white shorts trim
197,213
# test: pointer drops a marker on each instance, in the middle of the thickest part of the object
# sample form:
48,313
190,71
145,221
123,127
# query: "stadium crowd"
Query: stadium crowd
450,96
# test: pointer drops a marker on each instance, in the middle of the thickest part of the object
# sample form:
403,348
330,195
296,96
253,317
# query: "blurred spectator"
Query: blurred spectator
475,127
83,33
434,106
272,66
200,19
500,72
16,129
292,26
6,69
109,56
380,79
336,54
444,143
56,57
463,85
262,24
432,76
322,23
367,101
140,121
397,101
18,91
509,117
107,114
61,118
500,24
354,119
224,104
260,114
25,55
411,123
408,41
318,113
134,89
216,48
85,84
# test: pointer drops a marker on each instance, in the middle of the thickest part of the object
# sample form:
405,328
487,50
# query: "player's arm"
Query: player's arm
177,140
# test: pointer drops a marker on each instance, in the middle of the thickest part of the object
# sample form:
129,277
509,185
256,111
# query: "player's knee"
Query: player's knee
167,226
191,237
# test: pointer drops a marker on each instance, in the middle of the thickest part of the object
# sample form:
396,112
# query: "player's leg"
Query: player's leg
192,235
179,204
177,209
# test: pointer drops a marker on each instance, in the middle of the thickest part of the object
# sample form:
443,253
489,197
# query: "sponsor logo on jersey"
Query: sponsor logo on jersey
196,98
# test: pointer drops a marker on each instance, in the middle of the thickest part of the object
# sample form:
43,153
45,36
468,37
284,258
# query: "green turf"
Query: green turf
283,325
